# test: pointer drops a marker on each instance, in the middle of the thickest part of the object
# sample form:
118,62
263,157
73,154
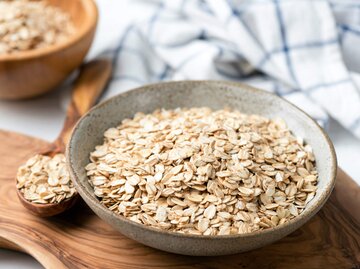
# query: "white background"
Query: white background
43,116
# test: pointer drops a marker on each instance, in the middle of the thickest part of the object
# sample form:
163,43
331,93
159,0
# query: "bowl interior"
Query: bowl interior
216,95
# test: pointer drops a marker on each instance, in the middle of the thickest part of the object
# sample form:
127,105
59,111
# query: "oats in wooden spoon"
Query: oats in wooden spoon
45,180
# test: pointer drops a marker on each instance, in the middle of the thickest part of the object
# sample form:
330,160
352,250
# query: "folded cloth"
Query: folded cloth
307,51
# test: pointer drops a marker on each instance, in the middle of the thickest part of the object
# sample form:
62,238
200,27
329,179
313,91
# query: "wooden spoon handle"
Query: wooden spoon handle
88,86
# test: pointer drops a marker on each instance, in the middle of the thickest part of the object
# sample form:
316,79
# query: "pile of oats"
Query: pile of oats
27,25
45,180
204,172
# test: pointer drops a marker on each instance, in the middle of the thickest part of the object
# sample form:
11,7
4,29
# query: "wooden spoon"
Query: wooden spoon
89,85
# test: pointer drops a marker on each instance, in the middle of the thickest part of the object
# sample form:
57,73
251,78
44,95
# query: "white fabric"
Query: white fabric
307,51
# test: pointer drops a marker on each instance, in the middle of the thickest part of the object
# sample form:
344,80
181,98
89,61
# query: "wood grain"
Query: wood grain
34,72
79,239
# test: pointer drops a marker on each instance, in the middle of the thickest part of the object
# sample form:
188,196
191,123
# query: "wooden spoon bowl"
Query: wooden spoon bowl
47,210
30,73
89,85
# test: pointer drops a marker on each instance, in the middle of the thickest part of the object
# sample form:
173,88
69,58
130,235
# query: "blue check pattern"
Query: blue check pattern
307,51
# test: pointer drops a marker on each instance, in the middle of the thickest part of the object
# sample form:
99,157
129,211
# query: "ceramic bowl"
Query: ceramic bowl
30,73
214,94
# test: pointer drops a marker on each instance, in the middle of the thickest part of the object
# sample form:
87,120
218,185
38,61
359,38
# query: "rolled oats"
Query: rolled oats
27,25
45,180
206,172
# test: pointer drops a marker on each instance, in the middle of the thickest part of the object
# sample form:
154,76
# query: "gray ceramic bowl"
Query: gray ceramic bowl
215,94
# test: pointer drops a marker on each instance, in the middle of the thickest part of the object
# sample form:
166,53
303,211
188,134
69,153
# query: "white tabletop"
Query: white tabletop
43,117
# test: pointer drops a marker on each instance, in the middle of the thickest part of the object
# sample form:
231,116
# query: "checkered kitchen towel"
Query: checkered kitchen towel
305,51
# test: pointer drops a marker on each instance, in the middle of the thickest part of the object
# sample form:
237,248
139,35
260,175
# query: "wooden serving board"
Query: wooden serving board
79,239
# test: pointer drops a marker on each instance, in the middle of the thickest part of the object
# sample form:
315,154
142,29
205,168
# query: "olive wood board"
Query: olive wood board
80,239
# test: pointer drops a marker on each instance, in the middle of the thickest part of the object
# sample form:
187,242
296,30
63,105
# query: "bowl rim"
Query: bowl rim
305,216
90,25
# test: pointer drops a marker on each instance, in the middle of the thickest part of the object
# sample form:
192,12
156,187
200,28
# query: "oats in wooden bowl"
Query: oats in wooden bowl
28,25
41,43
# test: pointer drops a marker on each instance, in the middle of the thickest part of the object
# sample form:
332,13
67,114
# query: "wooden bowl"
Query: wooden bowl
214,94
30,73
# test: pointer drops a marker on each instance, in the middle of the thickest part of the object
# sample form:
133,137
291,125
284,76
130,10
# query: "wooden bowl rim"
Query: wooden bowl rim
90,24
